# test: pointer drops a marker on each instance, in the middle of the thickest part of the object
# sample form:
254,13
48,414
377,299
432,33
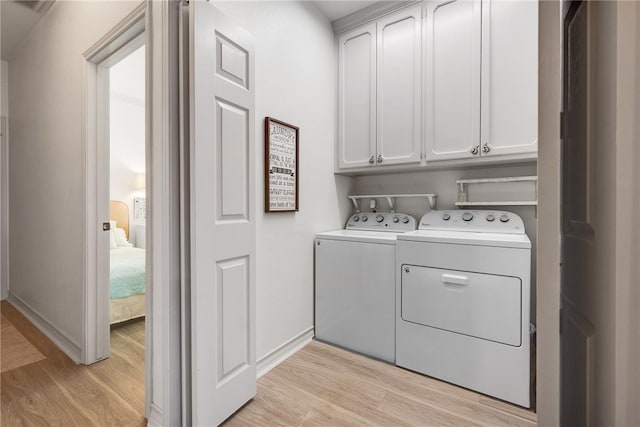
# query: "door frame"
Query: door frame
550,16
159,22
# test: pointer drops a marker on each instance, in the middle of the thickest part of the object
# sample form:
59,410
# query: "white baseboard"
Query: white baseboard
155,418
280,354
59,339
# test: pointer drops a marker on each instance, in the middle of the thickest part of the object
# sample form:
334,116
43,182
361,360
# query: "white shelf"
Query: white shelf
463,191
497,180
501,203
390,198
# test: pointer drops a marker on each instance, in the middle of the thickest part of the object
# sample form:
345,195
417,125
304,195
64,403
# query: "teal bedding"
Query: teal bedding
127,272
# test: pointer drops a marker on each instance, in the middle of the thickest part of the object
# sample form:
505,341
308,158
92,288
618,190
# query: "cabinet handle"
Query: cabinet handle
380,158
486,148
371,160
475,150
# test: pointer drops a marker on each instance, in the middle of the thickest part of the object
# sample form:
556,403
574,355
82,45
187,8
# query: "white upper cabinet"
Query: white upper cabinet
357,98
441,80
452,79
399,88
509,78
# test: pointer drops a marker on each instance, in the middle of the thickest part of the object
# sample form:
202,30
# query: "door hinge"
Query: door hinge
560,325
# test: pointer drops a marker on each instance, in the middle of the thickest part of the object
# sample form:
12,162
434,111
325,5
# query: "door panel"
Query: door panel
509,77
484,306
357,98
399,87
452,75
578,284
223,237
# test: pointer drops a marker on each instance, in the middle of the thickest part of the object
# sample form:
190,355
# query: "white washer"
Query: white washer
355,283
462,301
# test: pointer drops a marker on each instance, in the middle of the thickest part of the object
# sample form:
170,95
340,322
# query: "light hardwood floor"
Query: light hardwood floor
322,385
56,391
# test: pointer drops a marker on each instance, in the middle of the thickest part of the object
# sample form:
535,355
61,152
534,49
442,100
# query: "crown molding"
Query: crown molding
368,14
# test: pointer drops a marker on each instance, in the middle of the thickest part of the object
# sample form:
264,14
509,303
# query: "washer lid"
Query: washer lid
503,240
383,237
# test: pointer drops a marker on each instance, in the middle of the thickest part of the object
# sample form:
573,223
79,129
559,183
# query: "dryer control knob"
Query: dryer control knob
504,218
379,218
405,220
467,216
365,218
491,218
446,217
356,218
396,219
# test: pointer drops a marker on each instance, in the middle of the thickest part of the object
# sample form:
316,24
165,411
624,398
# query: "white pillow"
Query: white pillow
113,223
112,239
121,239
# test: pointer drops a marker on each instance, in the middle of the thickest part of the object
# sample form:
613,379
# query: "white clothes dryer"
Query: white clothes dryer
462,301
355,283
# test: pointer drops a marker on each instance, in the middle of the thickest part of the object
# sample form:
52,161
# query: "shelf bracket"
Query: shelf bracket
391,200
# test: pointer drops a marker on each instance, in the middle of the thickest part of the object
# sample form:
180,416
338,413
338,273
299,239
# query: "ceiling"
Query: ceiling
336,9
16,21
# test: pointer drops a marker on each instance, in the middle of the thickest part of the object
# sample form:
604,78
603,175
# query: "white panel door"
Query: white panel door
452,76
357,98
399,87
223,235
509,77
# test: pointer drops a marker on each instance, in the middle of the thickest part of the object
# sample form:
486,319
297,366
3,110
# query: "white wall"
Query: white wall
46,160
443,183
4,230
127,132
295,82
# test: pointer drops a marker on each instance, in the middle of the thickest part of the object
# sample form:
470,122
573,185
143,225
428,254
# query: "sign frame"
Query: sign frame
273,146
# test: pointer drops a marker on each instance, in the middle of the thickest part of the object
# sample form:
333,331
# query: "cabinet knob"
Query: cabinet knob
475,150
371,160
380,158
486,148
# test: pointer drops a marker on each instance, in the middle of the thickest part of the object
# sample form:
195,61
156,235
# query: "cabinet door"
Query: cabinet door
452,76
399,87
357,97
509,77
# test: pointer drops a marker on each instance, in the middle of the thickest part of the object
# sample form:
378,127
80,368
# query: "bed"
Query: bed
127,269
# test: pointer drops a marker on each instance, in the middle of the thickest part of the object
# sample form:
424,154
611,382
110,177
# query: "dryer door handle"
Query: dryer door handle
455,279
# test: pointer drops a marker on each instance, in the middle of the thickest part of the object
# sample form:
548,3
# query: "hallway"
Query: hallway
56,391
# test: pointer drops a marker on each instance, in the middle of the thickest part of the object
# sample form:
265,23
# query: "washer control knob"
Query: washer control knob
365,218
405,220
504,218
446,217
379,218
396,219
356,218
467,216
491,217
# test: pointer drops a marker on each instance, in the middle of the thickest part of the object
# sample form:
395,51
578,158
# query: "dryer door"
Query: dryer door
484,306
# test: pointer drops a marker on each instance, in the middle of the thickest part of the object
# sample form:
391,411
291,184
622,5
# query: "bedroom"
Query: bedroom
127,192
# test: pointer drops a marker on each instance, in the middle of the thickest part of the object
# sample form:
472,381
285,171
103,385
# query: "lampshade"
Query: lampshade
140,181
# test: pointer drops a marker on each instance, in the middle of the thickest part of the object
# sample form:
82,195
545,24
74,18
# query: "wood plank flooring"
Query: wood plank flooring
16,351
320,385
56,391
325,386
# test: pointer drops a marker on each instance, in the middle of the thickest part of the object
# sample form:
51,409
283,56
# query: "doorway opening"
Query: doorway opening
117,323
124,76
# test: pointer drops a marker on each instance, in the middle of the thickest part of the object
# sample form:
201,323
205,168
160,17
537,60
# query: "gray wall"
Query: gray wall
46,199
295,82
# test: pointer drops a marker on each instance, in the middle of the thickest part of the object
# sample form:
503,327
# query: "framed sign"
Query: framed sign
281,166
